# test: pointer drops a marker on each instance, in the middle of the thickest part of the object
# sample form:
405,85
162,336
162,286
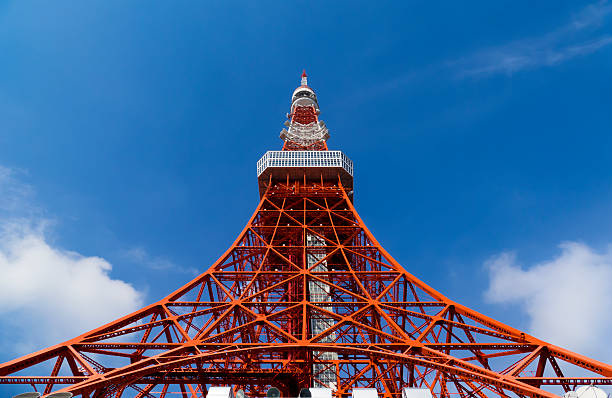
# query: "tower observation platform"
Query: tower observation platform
305,302
305,155
305,165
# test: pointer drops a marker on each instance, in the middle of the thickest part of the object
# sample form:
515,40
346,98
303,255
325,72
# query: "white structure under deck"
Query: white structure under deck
324,372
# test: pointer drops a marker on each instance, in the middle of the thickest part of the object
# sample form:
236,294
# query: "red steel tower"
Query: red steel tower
305,297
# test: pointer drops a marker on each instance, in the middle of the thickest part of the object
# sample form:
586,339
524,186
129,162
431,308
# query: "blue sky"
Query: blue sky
480,133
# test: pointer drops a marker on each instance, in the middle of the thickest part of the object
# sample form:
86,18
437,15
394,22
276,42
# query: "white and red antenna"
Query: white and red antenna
304,129
304,78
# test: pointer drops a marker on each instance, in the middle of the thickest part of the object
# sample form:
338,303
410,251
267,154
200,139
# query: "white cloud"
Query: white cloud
567,299
569,41
48,294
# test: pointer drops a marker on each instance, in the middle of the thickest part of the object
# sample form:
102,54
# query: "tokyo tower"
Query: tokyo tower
306,300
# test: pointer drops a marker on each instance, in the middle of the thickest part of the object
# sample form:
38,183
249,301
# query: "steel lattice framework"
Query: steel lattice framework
305,297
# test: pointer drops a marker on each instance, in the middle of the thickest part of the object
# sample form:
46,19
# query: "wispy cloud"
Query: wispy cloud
139,255
592,16
579,37
567,299
16,196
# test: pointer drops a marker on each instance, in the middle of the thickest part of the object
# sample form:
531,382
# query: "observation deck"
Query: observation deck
311,165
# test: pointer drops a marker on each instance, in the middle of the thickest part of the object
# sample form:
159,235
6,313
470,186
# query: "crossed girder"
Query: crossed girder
252,321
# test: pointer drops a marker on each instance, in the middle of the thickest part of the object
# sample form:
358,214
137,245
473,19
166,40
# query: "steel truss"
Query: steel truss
248,322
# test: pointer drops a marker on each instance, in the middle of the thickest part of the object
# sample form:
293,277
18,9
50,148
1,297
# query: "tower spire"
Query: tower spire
305,131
